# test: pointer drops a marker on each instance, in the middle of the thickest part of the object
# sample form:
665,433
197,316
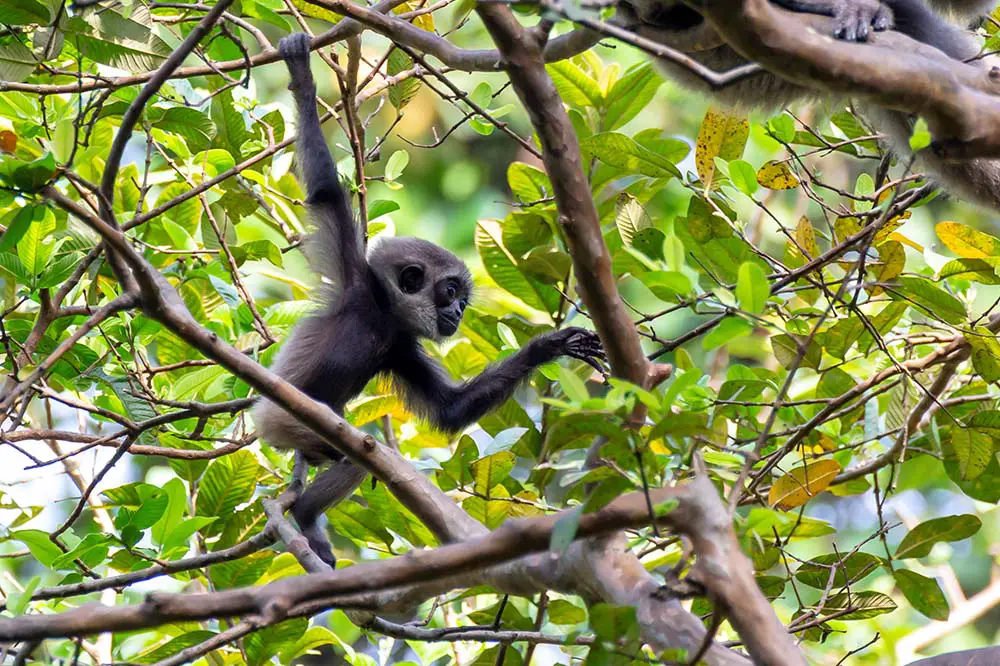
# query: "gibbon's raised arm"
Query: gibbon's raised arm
339,255
452,406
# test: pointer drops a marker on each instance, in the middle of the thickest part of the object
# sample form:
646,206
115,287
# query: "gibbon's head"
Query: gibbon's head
428,287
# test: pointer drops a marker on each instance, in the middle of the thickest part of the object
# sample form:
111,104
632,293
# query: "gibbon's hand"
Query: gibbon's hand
294,50
580,344
294,47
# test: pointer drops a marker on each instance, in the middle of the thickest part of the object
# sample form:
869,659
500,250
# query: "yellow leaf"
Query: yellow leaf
892,258
721,135
900,238
966,242
802,484
316,12
891,225
423,21
777,175
371,408
805,236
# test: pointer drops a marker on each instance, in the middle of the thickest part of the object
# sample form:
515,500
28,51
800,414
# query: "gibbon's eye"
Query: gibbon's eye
411,279
452,290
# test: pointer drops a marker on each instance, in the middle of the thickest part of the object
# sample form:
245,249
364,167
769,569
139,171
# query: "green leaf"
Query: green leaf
42,548
864,605
260,646
923,593
561,611
93,548
196,127
402,92
16,222
620,151
16,61
921,137
381,207
500,266
35,248
614,624
492,470
982,270
574,85
111,39
29,176
850,569
744,176
985,353
786,351
231,127
193,385
973,449
227,483
932,301
168,648
18,599
528,183
397,162
572,386
752,289
630,95
630,217
919,541
864,187
667,285
24,12
243,572
728,329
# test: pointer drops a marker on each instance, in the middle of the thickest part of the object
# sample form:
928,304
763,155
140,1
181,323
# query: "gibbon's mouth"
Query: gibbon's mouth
448,325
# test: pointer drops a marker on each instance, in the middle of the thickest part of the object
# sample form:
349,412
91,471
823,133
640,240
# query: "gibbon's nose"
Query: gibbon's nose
449,318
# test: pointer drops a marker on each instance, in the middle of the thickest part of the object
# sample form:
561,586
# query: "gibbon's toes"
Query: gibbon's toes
855,19
882,20
294,46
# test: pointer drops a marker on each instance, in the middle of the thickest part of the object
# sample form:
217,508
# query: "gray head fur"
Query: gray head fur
417,311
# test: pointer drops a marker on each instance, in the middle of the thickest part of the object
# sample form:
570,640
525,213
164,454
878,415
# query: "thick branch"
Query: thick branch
514,539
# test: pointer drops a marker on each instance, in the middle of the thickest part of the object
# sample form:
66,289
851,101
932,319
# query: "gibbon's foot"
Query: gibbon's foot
854,19
320,545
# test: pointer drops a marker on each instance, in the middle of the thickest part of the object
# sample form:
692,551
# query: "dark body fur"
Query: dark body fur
376,311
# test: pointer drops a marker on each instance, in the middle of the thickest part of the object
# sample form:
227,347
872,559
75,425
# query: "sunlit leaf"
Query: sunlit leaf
802,484
722,135
777,175
967,242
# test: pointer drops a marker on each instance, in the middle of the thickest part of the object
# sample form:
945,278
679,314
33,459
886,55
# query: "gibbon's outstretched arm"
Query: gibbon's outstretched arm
451,406
340,255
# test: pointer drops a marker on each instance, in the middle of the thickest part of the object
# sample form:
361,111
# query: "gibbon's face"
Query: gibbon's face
428,286
449,296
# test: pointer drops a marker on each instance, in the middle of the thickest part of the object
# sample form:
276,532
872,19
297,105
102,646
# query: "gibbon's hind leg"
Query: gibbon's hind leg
329,487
